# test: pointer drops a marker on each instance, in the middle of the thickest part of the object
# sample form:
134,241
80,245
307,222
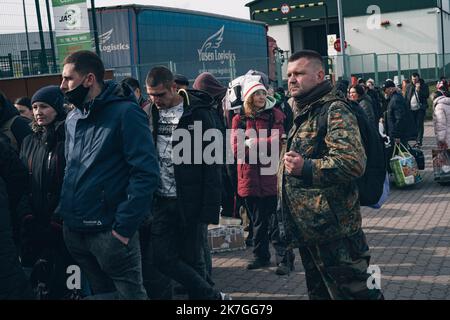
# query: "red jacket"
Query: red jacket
251,183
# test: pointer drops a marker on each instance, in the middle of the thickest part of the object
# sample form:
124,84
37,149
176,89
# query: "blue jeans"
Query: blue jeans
113,269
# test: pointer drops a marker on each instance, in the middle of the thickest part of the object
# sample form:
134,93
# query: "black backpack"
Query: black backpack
371,183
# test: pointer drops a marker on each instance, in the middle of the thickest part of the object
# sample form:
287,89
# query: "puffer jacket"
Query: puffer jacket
252,182
400,122
43,154
322,204
111,166
441,119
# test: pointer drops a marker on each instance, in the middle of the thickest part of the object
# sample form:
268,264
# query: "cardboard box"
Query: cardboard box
225,238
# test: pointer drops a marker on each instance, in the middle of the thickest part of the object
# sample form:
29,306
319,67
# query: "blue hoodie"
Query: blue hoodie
112,170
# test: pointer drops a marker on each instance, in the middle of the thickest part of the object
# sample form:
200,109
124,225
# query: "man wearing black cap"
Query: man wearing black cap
398,126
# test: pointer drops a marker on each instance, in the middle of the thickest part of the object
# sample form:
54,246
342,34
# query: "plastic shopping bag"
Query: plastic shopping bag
441,165
404,167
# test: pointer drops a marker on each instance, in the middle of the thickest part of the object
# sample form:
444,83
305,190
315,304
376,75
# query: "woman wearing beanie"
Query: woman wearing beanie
43,155
258,190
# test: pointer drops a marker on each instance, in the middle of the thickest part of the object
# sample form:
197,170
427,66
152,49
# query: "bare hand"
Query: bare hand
397,140
293,162
120,238
442,145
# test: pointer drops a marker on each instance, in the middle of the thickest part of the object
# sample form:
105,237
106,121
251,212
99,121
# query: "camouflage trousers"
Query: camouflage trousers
339,270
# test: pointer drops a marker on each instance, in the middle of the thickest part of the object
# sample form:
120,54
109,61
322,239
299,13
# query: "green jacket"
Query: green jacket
322,205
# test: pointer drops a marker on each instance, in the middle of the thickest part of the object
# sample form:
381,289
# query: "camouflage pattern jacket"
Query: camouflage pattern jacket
322,204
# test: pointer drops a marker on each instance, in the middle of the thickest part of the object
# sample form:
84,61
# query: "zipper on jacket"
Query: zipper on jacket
49,160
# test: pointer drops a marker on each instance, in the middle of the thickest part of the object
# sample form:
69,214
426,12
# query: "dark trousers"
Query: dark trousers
207,255
157,285
179,249
339,270
284,254
13,282
114,270
419,119
260,211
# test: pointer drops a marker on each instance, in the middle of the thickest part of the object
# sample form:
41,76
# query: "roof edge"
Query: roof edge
193,12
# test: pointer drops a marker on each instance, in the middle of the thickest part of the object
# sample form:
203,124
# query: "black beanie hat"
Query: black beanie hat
52,96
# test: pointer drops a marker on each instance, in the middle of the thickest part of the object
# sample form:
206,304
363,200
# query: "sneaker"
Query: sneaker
225,296
283,269
258,264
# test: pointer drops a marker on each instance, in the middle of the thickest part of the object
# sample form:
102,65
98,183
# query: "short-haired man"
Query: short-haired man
417,93
134,84
317,186
189,192
23,105
12,125
110,177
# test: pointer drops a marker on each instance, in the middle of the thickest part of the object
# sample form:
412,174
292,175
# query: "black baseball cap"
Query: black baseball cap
388,84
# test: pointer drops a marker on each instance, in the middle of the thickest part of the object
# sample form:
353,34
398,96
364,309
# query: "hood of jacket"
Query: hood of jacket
195,99
441,99
270,104
112,92
7,111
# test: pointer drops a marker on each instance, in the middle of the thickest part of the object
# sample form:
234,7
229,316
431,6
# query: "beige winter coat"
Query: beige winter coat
441,119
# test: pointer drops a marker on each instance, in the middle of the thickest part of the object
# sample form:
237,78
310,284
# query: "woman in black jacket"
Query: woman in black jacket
43,155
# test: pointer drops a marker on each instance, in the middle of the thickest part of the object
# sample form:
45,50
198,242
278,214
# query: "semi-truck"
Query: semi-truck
134,38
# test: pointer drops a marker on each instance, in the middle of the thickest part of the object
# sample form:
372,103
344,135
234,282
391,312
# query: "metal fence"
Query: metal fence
17,66
431,66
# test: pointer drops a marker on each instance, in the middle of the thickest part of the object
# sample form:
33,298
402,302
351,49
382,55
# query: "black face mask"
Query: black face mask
77,95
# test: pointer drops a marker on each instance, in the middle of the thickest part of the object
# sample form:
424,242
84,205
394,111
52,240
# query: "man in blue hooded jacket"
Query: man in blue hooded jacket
110,177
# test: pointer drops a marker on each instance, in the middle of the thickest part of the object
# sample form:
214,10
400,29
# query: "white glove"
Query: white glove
250,143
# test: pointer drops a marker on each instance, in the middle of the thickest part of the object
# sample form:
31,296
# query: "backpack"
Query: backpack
5,129
372,182
233,97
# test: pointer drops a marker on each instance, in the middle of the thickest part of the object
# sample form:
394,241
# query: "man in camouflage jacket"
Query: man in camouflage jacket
318,194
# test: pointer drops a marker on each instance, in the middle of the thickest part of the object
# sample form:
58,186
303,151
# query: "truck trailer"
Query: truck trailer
135,38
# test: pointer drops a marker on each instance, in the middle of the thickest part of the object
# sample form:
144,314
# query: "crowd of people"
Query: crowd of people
89,178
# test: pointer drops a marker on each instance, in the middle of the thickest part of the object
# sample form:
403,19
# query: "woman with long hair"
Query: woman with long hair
262,125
